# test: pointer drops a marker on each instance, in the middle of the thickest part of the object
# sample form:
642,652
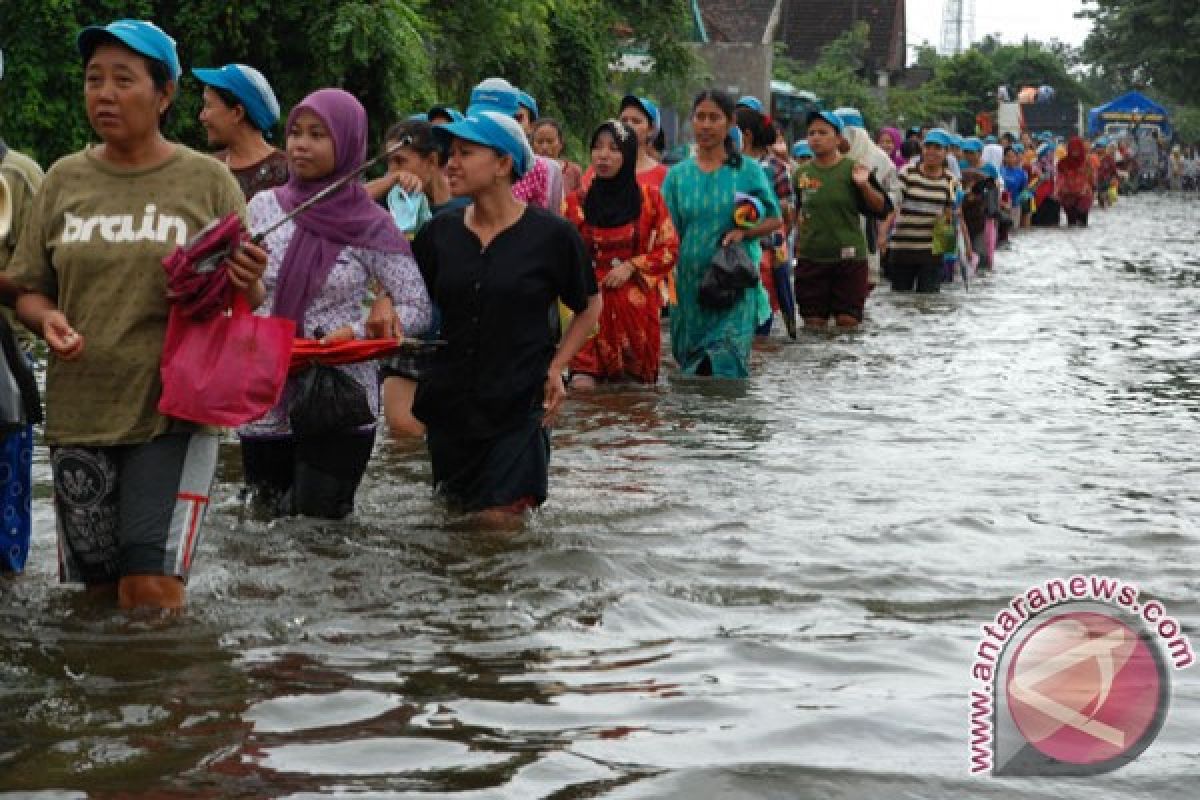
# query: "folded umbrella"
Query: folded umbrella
307,352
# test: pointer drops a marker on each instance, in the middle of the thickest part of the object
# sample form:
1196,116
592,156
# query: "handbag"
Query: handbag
324,399
730,273
227,370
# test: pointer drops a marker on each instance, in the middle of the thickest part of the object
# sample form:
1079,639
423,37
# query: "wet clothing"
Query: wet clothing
272,171
510,470
703,340
831,288
95,245
132,509
16,498
488,381
923,202
629,342
832,272
315,476
1076,182
913,269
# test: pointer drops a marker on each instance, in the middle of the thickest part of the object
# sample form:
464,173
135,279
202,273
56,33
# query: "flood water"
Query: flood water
763,590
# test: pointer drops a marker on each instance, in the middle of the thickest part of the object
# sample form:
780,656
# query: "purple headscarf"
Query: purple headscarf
897,146
347,218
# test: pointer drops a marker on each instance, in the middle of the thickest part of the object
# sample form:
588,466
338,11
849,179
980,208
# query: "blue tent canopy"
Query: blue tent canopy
1131,108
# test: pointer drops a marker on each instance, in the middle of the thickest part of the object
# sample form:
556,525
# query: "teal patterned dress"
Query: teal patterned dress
701,205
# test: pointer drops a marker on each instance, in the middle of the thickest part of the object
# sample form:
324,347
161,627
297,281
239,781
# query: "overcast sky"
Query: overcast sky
1012,19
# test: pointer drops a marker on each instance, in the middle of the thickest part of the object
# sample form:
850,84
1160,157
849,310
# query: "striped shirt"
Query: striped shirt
924,201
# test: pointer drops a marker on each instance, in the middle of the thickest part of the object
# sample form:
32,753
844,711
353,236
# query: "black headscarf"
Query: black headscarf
615,201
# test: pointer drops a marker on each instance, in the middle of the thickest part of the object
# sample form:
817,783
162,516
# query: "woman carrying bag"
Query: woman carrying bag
130,484
319,268
701,193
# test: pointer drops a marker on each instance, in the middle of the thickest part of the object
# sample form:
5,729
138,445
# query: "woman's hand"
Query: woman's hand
619,274
406,180
383,322
861,176
553,396
342,334
735,236
63,340
246,266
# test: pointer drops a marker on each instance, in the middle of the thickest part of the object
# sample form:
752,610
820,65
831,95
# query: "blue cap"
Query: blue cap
494,94
250,88
830,117
140,36
991,139
735,133
445,111
493,129
525,100
990,171
851,117
645,105
1018,148
939,136
1047,147
957,141
972,145
751,102
801,150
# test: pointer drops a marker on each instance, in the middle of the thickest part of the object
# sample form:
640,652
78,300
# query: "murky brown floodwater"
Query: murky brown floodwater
768,590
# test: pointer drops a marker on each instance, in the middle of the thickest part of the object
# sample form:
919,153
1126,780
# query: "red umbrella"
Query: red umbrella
307,352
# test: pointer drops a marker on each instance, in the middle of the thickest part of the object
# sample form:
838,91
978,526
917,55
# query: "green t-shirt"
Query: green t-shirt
830,223
95,244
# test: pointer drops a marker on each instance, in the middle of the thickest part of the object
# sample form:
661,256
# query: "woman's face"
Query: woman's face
524,118
974,158
310,149
636,121
933,154
822,138
1011,158
710,124
474,168
1027,140
607,158
885,142
409,160
123,104
219,120
546,142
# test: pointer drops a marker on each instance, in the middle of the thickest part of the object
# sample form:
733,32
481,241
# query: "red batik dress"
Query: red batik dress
629,342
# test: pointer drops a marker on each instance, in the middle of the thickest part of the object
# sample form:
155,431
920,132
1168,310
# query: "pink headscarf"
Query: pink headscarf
897,143
347,218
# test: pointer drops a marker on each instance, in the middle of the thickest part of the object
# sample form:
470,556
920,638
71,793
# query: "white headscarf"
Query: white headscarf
994,154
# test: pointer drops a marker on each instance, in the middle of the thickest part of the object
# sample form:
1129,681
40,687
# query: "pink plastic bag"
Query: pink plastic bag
227,370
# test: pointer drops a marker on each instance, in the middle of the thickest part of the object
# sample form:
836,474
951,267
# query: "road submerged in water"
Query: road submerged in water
767,589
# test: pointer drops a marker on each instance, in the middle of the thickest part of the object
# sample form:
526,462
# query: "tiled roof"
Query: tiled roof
744,21
809,25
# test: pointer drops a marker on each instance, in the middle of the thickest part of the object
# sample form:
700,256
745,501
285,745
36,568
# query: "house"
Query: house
808,26
736,41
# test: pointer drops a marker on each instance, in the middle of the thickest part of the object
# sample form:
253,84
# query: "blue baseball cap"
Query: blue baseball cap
1018,148
645,105
493,129
851,117
494,94
251,89
751,102
140,36
991,139
1047,147
957,141
830,117
525,100
801,150
972,144
451,113
940,137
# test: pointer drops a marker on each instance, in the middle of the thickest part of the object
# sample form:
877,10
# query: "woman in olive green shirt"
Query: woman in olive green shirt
130,485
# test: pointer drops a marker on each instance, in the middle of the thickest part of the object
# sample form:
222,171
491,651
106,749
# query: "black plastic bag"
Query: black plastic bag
326,400
20,404
729,274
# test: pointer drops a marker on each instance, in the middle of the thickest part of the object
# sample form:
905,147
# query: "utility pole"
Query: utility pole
958,26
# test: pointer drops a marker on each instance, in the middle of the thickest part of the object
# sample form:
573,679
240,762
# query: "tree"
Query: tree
1147,42
396,56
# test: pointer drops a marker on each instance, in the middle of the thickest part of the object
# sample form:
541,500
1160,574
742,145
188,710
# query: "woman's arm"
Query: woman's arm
399,277
764,228
576,335
660,254
862,179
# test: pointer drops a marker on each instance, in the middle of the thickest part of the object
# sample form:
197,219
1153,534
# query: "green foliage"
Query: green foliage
1149,43
396,56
